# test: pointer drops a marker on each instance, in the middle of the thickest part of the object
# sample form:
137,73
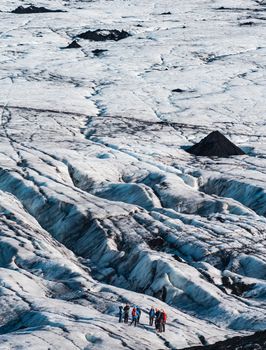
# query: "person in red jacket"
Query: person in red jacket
134,316
163,320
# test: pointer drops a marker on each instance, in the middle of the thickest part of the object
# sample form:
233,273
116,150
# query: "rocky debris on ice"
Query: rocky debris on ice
215,145
104,35
33,9
247,24
237,287
73,45
178,90
98,52
257,341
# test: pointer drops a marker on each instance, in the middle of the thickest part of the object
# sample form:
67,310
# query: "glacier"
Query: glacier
100,203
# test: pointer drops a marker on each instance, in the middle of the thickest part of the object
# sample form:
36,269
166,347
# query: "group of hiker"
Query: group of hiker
156,317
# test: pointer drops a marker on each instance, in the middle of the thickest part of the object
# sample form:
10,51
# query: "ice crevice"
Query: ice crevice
105,250
160,180
100,238
251,196
102,243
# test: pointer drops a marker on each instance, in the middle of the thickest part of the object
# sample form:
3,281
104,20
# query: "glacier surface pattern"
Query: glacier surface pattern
100,204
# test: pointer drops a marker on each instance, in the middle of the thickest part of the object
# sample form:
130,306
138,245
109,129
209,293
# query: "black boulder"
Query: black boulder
104,35
98,52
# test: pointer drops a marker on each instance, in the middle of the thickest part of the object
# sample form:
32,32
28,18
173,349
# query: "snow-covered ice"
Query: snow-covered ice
100,204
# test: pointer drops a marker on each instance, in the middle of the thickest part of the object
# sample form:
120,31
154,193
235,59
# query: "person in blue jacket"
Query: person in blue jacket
151,315
138,313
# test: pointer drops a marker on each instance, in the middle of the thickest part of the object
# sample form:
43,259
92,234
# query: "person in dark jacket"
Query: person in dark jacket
151,315
157,319
120,313
160,321
138,313
126,313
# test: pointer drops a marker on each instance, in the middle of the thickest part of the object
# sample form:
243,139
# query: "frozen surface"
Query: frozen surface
100,204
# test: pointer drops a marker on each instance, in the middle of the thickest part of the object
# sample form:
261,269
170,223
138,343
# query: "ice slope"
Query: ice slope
49,300
100,203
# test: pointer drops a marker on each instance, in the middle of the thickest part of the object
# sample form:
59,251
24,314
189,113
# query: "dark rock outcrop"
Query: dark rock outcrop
104,35
73,45
178,90
247,24
99,52
237,287
257,341
215,145
156,243
33,9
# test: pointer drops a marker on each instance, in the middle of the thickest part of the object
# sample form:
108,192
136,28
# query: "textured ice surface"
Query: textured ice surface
100,204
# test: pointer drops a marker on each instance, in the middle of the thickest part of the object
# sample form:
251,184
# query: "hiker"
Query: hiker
138,314
126,313
151,315
134,316
160,321
163,320
157,319
120,313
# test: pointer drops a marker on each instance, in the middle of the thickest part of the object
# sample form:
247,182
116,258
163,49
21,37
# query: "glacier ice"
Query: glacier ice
100,204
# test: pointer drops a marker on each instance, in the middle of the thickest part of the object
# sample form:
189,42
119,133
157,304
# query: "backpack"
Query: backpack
164,316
